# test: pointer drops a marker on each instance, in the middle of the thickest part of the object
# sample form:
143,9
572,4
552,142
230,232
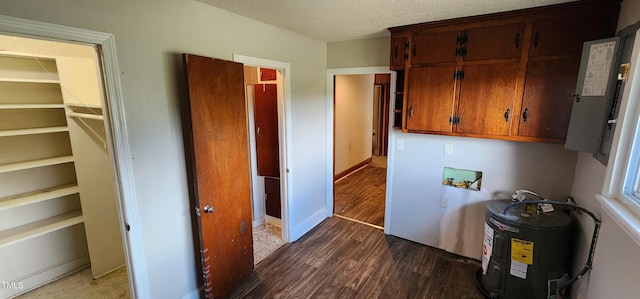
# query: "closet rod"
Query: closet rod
85,115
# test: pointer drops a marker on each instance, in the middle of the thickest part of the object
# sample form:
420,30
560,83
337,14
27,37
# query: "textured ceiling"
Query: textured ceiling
338,20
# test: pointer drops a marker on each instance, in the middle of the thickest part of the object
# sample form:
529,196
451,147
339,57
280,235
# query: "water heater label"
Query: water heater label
522,251
518,269
487,247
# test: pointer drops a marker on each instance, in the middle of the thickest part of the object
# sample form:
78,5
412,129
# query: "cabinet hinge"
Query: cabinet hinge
462,38
406,45
461,51
454,120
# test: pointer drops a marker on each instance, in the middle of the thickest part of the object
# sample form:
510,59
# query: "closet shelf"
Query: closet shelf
80,105
30,106
85,115
39,228
29,80
33,131
35,163
37,196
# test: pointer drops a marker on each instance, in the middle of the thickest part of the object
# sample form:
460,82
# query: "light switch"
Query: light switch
448,149
400,144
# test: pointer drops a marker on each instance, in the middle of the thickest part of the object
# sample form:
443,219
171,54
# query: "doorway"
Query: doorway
267,226
361,124
56,140
117,137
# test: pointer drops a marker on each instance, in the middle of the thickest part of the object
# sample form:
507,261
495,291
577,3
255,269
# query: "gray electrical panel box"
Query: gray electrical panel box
594,93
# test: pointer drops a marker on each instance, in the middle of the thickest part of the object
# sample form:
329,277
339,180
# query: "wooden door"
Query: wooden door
495,42
272,196
565,35
487,93
430,105
399,54
216,140
548,97
266,129
435,47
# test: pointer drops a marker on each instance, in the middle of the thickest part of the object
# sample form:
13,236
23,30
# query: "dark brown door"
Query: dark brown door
219,171
266,122
430,106
272,196
487,93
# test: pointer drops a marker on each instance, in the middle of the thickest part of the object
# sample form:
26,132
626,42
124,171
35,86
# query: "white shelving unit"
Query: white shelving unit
32,112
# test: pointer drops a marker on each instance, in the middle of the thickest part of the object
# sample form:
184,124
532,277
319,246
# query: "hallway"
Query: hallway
361,194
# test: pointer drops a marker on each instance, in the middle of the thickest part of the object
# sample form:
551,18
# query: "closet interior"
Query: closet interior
58,200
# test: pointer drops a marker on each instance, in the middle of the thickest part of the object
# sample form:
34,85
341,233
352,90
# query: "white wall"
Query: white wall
150,37
353,120
416,211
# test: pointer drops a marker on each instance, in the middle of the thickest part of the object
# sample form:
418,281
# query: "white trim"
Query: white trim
285,139
629,222
306,225
128,210
330,115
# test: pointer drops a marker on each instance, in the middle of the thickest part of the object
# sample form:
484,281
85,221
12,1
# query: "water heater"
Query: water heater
526,252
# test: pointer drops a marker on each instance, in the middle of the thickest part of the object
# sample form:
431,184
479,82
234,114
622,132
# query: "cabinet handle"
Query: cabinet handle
507,114
410,113
525,114
536,38
517,40
414,49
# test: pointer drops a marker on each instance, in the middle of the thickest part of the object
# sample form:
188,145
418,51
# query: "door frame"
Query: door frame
117,128
284,127
331,73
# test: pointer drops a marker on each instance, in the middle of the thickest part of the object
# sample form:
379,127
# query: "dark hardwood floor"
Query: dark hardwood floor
344,259
361,195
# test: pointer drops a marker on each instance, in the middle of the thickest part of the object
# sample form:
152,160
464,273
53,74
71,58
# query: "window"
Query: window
631,187
620,196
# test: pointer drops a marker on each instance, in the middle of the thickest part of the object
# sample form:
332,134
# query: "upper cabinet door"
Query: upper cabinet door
548,96
564,36
495,42
487,93
399,52
430,106
435,47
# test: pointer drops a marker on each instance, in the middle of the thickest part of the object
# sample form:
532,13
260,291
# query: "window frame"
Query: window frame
620,199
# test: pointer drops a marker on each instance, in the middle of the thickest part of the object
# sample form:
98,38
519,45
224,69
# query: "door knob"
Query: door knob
208,209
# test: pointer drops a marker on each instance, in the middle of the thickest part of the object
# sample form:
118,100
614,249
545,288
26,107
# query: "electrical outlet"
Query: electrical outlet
444,201
448,149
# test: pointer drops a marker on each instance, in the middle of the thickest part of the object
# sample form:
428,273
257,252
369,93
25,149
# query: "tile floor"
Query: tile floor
80,285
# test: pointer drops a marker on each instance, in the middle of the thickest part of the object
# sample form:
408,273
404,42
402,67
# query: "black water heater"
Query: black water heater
526,252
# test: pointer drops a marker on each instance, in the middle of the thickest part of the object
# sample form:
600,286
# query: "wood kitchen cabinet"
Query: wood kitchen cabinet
508,75
399,52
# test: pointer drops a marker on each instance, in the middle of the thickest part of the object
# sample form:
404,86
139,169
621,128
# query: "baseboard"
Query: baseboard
351,169
195,294
45,276
273,220
299,230
258,221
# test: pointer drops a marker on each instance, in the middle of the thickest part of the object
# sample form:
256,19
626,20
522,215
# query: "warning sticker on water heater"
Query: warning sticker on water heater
522,251
487,247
